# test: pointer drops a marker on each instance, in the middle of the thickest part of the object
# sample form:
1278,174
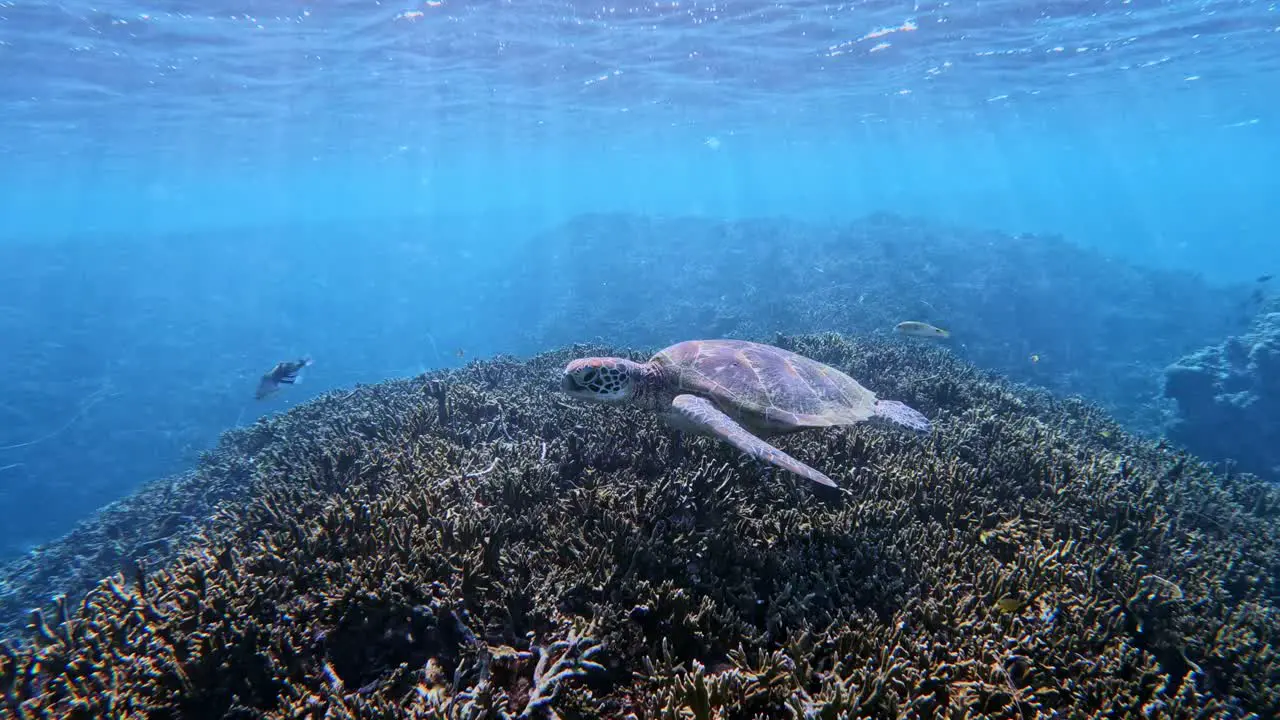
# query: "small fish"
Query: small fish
284,373
1010,604
461,353
1264,278
1035,359
919,329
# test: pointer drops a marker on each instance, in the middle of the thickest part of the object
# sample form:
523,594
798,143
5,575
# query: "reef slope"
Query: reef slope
468,541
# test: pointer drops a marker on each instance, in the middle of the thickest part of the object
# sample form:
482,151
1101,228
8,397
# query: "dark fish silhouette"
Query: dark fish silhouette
284,373
1264,278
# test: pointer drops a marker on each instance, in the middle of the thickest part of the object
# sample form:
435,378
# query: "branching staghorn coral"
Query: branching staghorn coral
358,557
558,662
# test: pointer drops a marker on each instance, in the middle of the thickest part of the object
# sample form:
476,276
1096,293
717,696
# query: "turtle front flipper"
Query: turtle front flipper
700,414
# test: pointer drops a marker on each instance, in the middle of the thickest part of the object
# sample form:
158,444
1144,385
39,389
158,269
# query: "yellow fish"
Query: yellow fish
1010,604
919,329
1035,358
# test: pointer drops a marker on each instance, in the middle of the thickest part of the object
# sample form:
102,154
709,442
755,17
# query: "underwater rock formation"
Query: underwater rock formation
469,544
1228,399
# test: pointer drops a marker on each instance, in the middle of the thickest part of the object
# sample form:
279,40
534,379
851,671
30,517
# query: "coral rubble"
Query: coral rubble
471,545
1228,399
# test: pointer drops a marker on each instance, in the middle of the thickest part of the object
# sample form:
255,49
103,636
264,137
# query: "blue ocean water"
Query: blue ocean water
187,198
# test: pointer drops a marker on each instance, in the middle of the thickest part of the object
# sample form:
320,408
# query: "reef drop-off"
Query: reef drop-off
469,544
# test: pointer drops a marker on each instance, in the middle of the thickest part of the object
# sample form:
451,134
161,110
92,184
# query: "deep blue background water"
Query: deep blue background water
194,197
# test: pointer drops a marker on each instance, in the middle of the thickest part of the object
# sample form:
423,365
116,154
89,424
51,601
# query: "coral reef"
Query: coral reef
1228,398
469,544
1037,308
126,355
91,321
141,530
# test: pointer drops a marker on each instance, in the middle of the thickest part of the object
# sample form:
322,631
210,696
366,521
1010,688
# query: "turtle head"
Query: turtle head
603,379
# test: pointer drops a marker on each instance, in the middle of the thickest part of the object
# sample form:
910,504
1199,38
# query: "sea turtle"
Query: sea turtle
738,391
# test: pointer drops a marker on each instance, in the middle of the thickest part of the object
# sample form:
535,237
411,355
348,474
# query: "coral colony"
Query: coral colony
469,544
1229,399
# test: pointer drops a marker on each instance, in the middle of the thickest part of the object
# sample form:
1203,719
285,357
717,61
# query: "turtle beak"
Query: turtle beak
568,384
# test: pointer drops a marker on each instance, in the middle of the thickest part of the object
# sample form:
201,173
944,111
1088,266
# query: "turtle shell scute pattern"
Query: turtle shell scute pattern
765,381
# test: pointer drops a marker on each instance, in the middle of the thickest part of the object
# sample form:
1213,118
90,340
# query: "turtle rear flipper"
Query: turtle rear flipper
702,415
896,413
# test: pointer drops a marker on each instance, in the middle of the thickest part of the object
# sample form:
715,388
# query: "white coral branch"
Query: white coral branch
572,659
